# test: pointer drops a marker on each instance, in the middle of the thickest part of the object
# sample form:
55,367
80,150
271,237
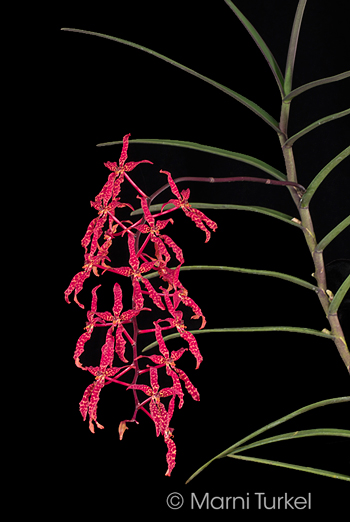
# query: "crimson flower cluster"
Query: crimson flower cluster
164,301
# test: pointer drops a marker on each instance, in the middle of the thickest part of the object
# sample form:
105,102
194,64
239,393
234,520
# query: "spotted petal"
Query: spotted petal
172,184
171,454
192,390
193,346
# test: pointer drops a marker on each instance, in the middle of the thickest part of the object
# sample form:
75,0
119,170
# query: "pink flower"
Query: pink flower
153,230
177,322
116,332
171,369
112,187
196,215
91,264
157,409
88,404
135,271
181,294
95,228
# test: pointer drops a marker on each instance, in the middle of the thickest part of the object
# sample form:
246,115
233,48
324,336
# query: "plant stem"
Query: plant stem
310,238
134,343
339,340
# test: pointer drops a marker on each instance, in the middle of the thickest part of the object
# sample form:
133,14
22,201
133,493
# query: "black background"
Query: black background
98,91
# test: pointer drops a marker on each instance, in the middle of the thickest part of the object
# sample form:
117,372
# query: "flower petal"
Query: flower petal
193,346
192,390
171,455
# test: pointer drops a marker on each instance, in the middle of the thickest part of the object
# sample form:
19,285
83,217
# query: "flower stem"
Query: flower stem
266,181
134,185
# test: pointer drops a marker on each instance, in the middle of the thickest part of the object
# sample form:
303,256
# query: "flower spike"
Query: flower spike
97,242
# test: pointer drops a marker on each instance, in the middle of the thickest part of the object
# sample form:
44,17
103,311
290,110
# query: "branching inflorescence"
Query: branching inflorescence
107,226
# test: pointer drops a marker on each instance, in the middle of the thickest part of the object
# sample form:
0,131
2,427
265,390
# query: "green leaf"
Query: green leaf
241,99
262,46
293,329
339,296
315,125
293,43
278,275
290,436
332,234
330,474
316,182
311,85
293,435
268,427
211,150
227,206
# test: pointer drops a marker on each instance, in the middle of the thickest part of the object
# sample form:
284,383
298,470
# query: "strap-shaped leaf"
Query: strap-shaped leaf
269,273
292,49
268,427
250,160
332,432
316,182
308,469
333,234
242,99
261,44
339,296
244,329
290,436
315,125
316,83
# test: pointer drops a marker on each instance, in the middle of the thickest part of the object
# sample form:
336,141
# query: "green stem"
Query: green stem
316,253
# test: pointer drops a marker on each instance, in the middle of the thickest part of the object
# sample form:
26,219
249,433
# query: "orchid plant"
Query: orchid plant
156,263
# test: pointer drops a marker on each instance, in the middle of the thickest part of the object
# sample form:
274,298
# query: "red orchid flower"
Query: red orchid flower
171,369
91,396
181,294
91,264
116,332
153,230
182,202
169,275
95,228
135,271
112,187
157,409
177,322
